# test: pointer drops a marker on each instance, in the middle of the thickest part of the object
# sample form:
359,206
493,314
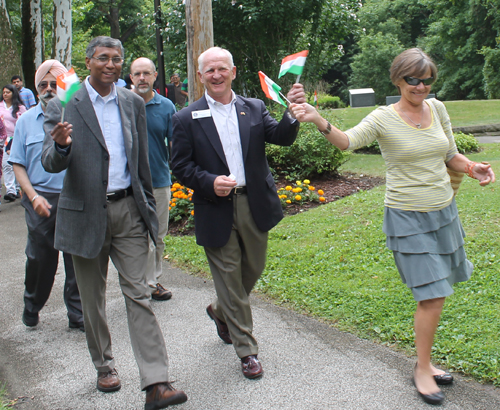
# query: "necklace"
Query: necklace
415,124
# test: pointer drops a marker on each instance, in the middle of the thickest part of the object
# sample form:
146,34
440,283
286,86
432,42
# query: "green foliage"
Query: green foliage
329,101
331,262
491,71
310,155
466,143
370,68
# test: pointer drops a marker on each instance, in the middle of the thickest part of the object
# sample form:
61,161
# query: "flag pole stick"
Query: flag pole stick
298,79
62,114
286,99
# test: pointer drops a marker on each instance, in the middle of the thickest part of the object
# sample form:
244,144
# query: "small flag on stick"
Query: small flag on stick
270,88
293,64
67,85
316,99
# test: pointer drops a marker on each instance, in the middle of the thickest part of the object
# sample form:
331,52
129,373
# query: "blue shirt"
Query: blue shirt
27,97
159,112
107,112
26,150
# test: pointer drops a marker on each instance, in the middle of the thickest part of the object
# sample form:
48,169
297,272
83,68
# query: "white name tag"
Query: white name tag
201,114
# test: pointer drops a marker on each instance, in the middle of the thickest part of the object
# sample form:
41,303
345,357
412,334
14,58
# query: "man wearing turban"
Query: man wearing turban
41,195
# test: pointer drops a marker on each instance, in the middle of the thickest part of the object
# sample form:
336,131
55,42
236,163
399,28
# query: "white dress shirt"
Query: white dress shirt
226,122
108,114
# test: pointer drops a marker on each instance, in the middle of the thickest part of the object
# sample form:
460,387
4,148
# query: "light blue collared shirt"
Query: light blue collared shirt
108,114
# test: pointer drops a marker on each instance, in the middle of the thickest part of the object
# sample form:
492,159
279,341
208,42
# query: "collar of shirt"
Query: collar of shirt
5,105
94,95
212,103
155,99
38,110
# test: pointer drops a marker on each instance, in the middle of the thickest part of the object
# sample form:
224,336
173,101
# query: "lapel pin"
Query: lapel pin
242,113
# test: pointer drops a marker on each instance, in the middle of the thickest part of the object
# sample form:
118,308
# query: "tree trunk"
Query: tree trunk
32,40
62,33
11,63
114,19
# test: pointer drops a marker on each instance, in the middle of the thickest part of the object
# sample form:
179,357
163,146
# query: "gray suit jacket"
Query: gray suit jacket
82,215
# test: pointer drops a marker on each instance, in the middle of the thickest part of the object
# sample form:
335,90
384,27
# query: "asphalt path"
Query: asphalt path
307,364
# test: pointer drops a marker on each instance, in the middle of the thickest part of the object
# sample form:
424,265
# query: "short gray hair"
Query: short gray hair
103,41
202,56
412,63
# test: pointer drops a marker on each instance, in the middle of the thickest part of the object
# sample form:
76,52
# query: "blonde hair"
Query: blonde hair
411,63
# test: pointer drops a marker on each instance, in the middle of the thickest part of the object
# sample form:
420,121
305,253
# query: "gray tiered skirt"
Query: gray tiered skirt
428,250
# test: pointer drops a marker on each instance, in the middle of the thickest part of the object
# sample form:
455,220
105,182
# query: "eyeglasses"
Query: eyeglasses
44,84
105,60
145,74
417,81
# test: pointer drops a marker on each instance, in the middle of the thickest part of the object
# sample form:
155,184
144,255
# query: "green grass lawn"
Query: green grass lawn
462,113
332,263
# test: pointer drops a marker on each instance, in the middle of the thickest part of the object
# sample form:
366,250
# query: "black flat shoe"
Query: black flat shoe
443,379
434,398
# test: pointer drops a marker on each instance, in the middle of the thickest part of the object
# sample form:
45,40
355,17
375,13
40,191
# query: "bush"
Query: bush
300,193
327,101
180,206
310,155
466,143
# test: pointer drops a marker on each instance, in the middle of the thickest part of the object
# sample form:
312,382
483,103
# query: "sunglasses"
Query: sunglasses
417,81
44,84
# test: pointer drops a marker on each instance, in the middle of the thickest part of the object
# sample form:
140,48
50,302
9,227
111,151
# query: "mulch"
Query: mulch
335,186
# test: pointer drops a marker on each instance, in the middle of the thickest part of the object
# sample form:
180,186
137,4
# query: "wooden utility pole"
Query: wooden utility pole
200,36
159,49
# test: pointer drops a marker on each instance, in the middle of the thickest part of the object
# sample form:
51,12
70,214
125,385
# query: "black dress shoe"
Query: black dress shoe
222,329
9,198
251,367
30,319
443,379
77,325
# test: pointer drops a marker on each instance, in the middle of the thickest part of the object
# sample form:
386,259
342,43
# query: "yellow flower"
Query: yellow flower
311,188
298,197
307,182
299,183
320,192
288,201
296,190
288,188
322,199
177,185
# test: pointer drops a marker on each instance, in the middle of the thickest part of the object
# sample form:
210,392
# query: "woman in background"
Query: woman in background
420,219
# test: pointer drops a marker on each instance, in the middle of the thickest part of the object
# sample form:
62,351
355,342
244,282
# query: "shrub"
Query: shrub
330,102
466,142
300,193
180,206
310,155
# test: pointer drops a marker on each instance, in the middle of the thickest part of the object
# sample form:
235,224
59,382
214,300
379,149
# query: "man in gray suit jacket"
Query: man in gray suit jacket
106,209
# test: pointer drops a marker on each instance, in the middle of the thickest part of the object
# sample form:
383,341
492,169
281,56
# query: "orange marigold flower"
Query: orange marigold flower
320,192
298,197
173,204
296,190
288,188
192,212
322,199
177,185
311,188
169,208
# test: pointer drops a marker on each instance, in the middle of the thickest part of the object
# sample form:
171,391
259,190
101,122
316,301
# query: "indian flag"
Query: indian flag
67,84
293,63
270,88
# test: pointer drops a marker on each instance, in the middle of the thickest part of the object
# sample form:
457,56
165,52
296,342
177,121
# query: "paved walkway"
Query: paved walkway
308,365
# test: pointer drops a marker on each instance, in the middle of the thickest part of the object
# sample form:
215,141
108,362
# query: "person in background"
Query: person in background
421,218
40,200
180,96
107,209
11,108
218,150
184,91
25,94
159,111
3,137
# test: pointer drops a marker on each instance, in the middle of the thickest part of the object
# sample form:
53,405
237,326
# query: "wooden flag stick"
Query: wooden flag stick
62,114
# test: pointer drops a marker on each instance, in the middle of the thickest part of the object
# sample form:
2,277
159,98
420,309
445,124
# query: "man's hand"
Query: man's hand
61,134
41,206
223,185
296,94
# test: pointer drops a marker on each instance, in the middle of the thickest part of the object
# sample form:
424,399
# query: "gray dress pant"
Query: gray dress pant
126,242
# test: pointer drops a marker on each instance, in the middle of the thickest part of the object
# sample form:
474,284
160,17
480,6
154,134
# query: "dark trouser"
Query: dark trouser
41,265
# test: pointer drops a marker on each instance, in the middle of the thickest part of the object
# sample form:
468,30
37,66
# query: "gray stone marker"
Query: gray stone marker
362,97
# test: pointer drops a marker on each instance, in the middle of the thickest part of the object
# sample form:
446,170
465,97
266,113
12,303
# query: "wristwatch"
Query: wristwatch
328,129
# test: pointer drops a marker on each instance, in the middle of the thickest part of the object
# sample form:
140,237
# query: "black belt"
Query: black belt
240,190
117,195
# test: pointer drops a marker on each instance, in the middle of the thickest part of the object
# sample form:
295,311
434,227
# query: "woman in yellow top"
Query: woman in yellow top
420,218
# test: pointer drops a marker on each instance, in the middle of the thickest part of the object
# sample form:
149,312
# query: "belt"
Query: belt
240,190
117,195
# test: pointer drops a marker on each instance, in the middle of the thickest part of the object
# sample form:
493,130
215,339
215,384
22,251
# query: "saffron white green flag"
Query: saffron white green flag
67,84
293,63
270,88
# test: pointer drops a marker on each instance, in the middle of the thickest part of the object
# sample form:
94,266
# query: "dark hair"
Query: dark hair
16,77
128,81
16,101
103,41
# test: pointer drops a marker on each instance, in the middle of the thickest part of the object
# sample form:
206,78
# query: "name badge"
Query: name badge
201,114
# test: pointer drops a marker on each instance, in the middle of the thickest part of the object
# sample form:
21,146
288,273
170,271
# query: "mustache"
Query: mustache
48,95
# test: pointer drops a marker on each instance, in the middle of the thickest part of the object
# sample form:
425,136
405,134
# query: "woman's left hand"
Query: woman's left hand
483,173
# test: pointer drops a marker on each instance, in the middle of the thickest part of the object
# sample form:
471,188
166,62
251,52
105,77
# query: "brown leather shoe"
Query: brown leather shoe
251,367
161,395
160,293
108,381
222,329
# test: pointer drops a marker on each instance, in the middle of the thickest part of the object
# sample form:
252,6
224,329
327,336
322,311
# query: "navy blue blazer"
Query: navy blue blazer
198,158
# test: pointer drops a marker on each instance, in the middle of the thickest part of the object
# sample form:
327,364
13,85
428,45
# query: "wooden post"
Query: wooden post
200,36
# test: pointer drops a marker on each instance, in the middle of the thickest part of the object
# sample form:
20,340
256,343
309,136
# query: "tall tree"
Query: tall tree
62,33
11,63
32,39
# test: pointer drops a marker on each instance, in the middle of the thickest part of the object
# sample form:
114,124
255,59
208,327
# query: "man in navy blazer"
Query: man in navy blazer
218,150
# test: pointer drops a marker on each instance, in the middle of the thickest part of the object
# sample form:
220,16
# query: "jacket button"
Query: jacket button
104,206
